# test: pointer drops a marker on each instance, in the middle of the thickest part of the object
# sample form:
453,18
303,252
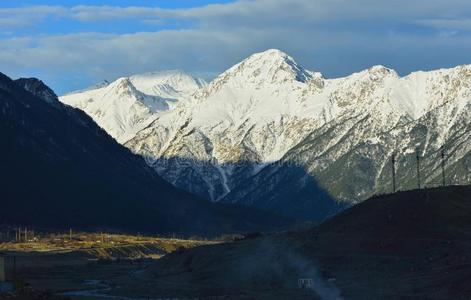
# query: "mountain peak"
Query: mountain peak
380,69
39,89
274,53
168,84
377,73
280,61
124,86
271,66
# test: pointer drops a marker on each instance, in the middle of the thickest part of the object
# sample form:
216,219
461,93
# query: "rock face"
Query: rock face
271,134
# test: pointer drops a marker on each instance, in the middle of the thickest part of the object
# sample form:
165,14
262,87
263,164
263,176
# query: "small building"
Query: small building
306,283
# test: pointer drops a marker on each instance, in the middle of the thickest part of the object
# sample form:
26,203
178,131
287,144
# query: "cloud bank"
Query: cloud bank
335,37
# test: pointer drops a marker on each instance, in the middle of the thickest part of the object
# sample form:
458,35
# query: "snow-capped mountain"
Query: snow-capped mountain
59,167
271,134
169,84
130,104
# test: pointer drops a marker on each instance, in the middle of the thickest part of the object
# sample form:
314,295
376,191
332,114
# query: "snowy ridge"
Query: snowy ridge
221,140
130,104
168,84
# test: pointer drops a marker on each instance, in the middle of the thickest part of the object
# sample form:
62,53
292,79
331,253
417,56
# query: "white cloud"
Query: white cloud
336,37
105,13
28,16
454,24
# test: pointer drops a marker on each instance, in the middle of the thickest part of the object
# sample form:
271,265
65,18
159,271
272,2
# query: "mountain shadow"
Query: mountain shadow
304,200
60,170
407,245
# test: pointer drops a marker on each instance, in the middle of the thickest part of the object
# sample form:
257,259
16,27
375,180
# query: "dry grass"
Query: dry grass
101,245
60,264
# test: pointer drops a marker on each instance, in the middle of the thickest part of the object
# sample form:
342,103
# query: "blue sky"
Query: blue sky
54,24
159,3
73,44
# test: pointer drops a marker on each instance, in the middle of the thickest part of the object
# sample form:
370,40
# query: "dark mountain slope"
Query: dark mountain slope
440,213
408,245
59,169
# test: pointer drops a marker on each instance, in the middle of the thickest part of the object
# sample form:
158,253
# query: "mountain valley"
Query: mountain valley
269,133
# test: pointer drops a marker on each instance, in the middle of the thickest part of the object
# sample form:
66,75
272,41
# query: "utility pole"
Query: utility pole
26,235
393,161
418,166
70,234
443,167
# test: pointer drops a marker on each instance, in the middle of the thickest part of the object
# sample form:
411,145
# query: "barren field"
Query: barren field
88,266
